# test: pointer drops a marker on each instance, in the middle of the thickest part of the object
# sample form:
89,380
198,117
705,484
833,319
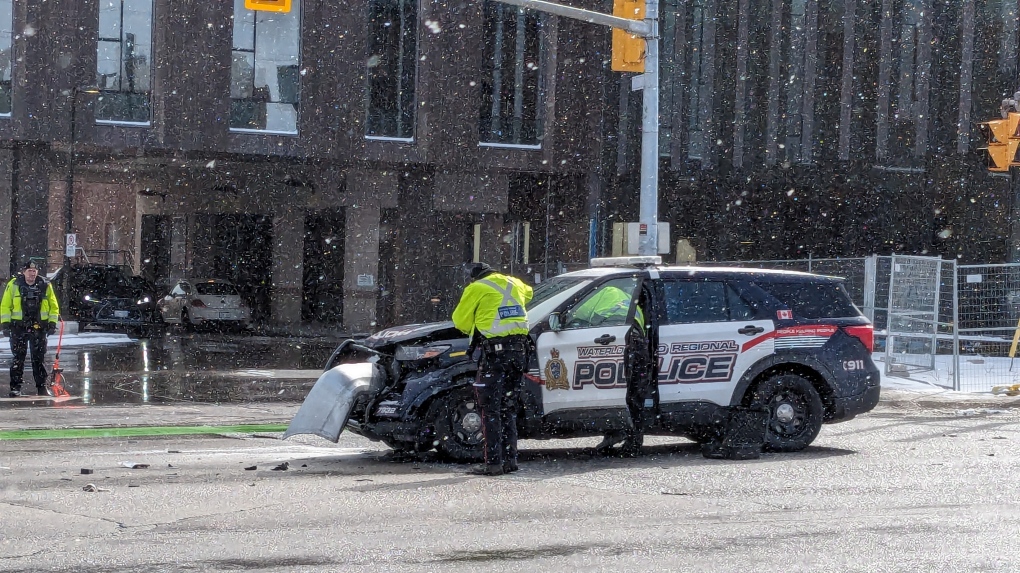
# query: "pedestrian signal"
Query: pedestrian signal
628,49
268,5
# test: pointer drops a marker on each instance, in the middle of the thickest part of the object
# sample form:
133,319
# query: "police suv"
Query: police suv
788,342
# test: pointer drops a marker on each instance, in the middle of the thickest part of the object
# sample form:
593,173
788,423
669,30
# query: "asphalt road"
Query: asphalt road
904,488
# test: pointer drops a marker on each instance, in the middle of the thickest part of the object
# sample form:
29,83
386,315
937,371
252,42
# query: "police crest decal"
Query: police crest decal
556,372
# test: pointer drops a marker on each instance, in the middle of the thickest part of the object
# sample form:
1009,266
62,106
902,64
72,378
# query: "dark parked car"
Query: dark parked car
109,296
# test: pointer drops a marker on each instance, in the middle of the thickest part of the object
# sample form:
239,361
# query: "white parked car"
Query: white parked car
198,302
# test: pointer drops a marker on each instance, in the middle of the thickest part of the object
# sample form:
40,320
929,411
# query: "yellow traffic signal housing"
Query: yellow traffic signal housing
268,5
1003,141
628,49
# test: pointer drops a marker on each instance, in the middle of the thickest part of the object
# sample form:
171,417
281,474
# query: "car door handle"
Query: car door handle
605,339
750,330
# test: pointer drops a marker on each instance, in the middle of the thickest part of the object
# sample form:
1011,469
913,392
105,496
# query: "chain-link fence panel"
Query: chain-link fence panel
988,319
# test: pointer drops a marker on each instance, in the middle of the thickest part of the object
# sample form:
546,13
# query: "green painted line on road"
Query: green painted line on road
138,431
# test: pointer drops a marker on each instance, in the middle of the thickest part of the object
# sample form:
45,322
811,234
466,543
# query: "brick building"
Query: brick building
341,162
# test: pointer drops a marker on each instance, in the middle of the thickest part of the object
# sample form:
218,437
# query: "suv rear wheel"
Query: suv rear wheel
795,412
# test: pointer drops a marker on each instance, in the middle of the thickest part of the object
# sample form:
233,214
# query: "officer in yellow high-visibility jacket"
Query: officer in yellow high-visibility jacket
28,313
492,311
610,306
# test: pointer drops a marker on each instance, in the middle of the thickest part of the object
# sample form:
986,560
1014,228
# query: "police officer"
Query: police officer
28,313
612,305
492,311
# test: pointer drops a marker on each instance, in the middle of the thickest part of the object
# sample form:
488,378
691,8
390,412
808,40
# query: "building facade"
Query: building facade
341,163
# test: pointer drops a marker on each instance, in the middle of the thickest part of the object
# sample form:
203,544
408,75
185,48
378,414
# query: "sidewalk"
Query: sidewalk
69,415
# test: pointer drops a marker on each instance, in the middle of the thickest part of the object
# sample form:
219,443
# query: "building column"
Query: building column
6,212
361,263
32,205
288,265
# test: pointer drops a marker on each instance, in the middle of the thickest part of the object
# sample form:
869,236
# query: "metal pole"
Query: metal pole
69,201
648,244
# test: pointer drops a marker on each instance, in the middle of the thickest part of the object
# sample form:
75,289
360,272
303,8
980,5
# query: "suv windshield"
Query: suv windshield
215,289
550,288
813,299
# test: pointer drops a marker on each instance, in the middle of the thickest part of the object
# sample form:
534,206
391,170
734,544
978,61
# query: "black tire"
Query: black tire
458,426
795,412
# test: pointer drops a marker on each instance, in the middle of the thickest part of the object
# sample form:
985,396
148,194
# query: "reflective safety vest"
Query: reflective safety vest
610,304
494,306
10,305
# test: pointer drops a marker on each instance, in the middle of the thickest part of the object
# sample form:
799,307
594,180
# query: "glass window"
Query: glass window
221,289
703,301
124,61
608,305
392,67
265,74
511,76
813,300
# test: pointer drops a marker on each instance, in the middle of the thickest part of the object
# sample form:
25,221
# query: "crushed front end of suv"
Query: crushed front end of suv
791,344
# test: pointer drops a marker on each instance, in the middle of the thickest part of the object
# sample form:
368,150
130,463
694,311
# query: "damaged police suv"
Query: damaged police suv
790,343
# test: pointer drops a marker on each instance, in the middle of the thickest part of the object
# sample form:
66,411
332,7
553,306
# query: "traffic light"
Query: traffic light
268,5
628,49
1003,142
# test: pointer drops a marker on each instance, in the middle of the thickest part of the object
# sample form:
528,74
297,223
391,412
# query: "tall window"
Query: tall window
511,76
6,25
265,74
392,65
124,61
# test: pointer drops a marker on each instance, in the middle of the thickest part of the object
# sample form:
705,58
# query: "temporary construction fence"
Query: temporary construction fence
949,325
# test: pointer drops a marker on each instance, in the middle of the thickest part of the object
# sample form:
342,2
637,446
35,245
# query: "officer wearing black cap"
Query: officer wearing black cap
28,313
492,311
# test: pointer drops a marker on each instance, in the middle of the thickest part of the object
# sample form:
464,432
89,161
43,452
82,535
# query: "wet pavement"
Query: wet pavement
193,367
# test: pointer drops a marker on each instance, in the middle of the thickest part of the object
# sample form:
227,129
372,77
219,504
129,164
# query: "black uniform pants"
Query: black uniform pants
642,386
21,337
498,390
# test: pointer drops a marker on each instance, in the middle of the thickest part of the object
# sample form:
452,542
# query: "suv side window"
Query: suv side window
607,305
813,299
689,301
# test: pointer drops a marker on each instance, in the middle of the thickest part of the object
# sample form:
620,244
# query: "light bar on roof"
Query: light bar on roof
646,261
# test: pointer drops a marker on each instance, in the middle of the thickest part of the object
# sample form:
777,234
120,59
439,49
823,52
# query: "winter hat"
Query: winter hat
479,270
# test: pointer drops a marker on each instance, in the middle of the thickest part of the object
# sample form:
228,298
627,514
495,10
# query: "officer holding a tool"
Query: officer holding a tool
28,313
492,311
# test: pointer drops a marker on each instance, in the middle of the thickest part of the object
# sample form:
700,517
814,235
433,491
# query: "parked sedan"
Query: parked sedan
208,302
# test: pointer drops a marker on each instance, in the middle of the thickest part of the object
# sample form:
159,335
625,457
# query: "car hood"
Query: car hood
426,331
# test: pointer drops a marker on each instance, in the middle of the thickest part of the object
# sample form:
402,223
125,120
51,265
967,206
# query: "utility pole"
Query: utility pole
648,82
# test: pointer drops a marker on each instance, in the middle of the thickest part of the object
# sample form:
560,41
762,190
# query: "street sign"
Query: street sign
72,244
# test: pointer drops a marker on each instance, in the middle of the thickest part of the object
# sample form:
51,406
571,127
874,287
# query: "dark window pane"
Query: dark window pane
265,72
392,67
813,300
221,289
703,301
511,78
124,60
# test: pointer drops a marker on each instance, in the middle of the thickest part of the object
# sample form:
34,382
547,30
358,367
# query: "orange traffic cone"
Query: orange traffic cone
57,383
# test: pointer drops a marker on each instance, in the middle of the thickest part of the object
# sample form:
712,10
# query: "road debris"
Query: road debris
91,487
86,471
134,466
282,467
251,468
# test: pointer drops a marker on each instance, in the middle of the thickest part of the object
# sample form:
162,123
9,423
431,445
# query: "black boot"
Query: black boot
42,391
488,470
605,447
15,393
632,446
510,467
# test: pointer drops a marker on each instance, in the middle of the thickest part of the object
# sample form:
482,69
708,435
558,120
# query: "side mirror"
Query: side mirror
555,322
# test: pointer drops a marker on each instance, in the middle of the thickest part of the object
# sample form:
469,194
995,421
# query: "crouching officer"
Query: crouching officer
492,311
28,313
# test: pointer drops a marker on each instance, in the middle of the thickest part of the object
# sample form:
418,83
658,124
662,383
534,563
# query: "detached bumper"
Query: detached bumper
327,408
847,407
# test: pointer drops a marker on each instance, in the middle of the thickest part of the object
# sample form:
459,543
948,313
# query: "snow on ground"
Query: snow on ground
72,341
980,376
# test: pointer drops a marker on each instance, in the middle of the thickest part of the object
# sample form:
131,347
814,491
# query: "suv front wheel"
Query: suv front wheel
795,412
